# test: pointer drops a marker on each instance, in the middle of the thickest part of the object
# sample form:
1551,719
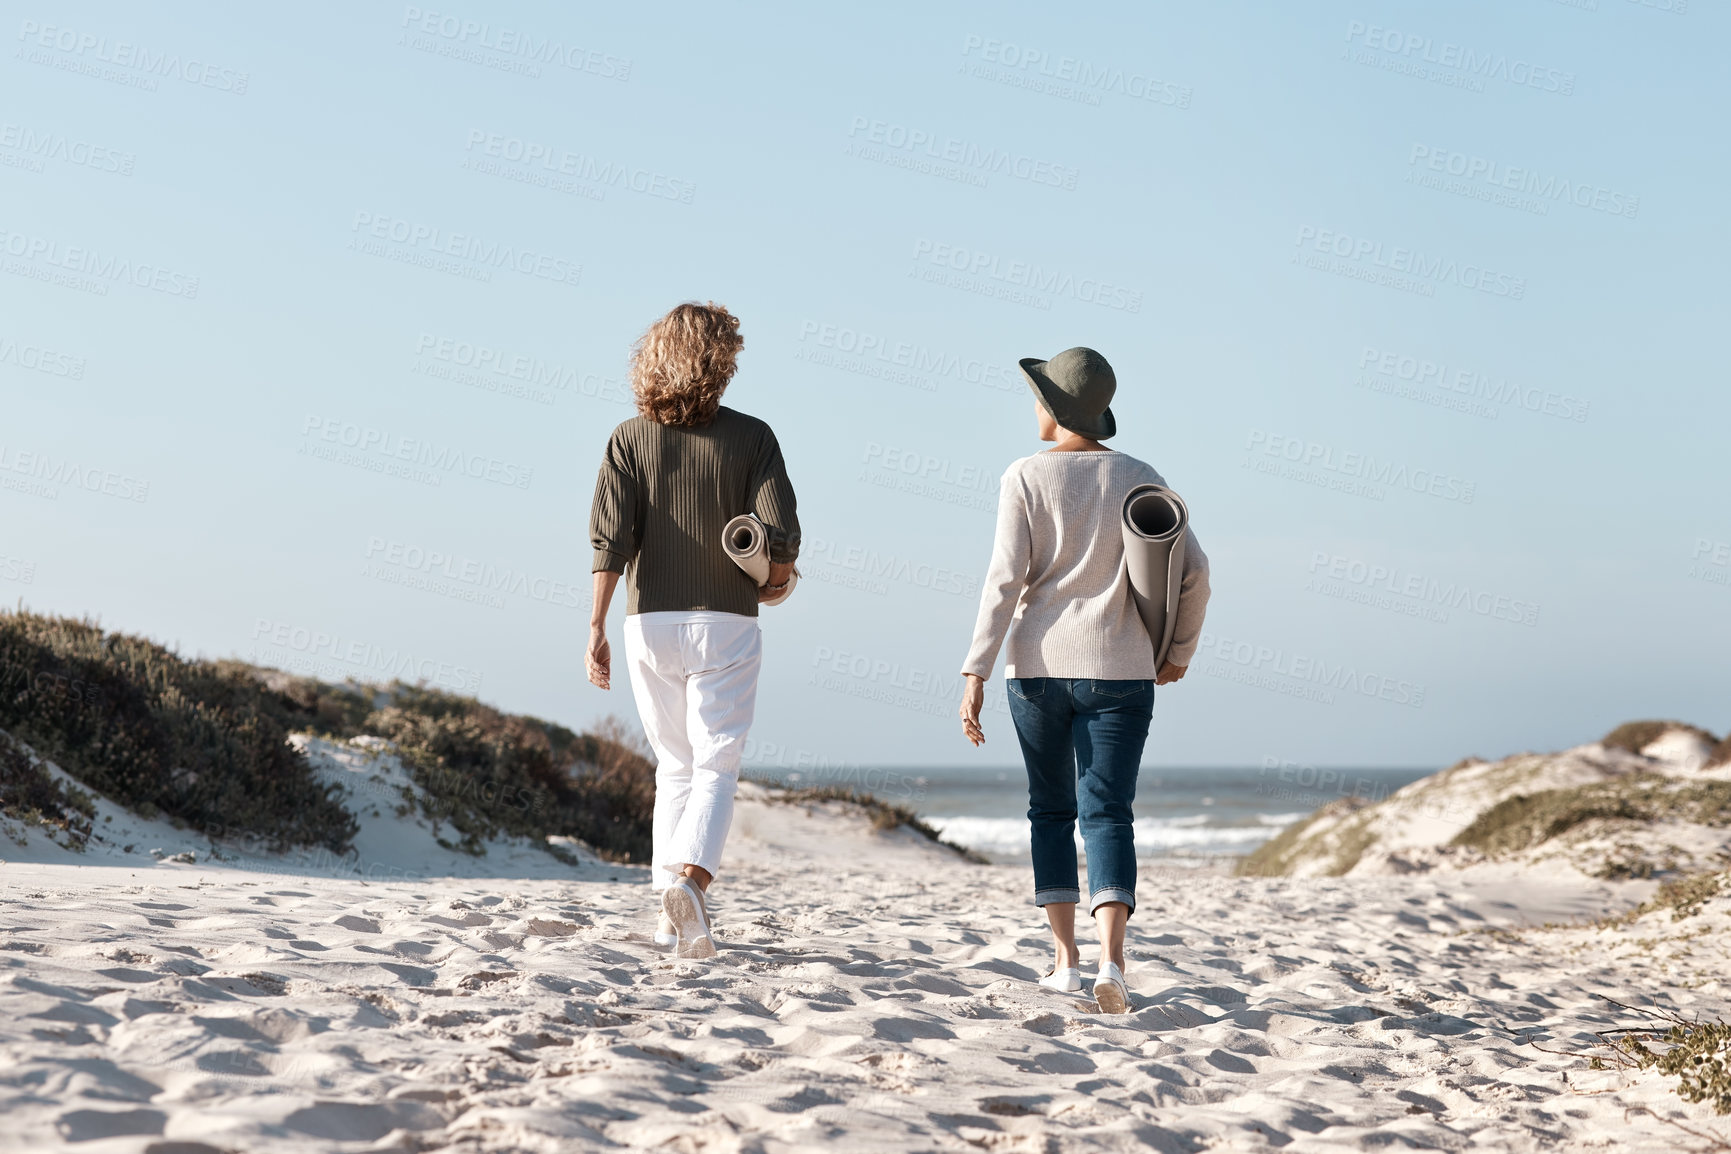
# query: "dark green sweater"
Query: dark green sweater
664,495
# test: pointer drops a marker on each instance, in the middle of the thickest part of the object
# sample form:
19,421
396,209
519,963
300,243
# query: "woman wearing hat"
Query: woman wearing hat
1079,664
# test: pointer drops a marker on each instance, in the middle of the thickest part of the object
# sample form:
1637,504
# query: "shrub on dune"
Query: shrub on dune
205,743
29,793
488,773
1634,736
161,734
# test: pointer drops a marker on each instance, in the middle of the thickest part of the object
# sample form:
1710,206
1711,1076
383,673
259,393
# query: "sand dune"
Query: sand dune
872,992
390,844
1592,811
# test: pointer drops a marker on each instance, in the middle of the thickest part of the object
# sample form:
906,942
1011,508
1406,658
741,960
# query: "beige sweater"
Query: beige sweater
1057,583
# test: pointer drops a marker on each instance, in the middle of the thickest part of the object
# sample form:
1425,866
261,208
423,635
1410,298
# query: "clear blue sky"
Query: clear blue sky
1353,263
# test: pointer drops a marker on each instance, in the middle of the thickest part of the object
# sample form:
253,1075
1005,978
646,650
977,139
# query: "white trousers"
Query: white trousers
694,675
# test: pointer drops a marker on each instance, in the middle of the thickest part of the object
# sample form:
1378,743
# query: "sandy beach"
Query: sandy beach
463,466
873,991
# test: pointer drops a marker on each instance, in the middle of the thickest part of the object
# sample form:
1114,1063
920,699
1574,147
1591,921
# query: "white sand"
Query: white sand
872,992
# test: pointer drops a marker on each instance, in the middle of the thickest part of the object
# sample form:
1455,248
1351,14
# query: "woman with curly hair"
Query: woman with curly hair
670,480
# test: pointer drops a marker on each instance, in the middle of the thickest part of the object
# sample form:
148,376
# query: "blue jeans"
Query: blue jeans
1082,741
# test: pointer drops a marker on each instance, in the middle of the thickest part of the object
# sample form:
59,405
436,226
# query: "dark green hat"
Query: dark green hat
1076,387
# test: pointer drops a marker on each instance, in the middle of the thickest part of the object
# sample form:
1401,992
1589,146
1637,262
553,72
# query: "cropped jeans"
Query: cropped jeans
1082,742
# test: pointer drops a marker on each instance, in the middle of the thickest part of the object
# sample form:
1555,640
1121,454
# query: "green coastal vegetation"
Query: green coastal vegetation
204,744
1526,821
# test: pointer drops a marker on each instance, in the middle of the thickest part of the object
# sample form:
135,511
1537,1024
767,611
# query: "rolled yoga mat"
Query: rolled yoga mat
747,542
1153,524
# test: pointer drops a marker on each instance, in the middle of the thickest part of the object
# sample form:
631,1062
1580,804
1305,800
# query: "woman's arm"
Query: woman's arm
613,515
774,504
1193,593
599,658
1006,577
614,535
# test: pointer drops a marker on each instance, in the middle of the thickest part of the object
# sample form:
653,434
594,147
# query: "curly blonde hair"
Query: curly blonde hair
682,364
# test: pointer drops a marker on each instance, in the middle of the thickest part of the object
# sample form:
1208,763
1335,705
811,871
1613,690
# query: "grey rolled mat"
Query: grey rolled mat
747,542
1154,519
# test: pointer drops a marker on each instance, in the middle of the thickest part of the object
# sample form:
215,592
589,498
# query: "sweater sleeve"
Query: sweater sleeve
1193,592
773,502
613,517
1006,577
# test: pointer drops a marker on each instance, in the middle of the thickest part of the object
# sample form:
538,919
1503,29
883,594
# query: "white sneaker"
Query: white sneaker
666,936
682,902
1066,981
1109,989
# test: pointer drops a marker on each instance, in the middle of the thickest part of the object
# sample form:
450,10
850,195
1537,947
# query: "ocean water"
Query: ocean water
1180,813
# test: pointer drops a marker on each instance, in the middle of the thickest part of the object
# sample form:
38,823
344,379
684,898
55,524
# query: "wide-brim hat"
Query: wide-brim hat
1076,387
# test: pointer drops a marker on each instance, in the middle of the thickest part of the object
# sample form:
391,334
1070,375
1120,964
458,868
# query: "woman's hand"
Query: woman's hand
599,659
973,696
779,575
1170,673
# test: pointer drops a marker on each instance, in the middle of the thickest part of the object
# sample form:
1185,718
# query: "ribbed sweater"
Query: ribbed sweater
662,497
1057,584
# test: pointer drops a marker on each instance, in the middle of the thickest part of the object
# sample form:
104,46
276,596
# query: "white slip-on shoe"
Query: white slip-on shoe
682,902
1066,981
666,936
1109,989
